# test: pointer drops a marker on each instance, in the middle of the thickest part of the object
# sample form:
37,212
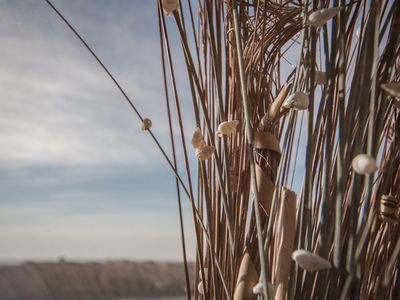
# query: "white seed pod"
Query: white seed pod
146,124
310,261
297,101
198,139
258,289
364,164
392,88
200,288
227,128
205,152
170,6
205,274
321,77
319,17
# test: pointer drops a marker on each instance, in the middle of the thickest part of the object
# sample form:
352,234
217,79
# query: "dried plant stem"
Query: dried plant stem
249,134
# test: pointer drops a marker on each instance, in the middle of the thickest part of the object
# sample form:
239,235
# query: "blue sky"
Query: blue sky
78,177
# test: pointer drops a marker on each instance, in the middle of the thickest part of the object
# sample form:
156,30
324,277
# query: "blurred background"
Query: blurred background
79,181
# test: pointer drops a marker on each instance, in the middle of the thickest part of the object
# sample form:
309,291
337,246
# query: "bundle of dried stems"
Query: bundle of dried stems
344,88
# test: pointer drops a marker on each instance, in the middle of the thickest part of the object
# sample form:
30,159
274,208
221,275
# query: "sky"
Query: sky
78,178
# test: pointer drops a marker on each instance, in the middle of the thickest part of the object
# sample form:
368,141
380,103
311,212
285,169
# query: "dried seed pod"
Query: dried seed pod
205,152
310,261
227,128
320,77
389,209
200,288
198,139
319,17
364,164
146,124
170,6
297,101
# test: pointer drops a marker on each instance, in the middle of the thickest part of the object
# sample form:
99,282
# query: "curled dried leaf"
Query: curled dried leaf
274,109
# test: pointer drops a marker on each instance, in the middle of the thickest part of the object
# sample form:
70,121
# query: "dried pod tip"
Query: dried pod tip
198,139
320,17
364,164
146,124
170,6
310,261
227,128
297,101
205,152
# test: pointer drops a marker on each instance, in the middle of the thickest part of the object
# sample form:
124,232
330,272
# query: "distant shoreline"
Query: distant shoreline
97,280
